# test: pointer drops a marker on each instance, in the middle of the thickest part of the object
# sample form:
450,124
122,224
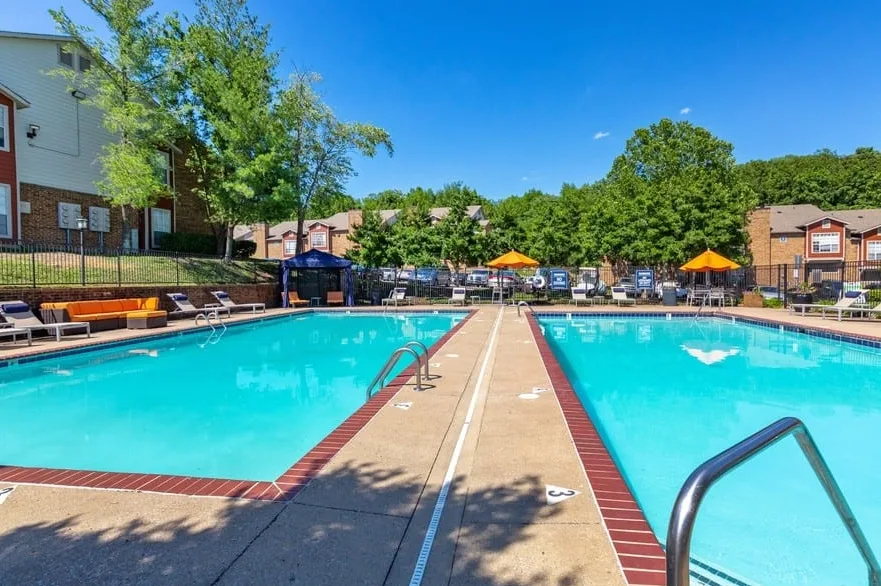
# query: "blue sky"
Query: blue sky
511,95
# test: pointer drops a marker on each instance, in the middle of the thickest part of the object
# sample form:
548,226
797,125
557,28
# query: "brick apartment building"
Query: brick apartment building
327,234
823,239
49,144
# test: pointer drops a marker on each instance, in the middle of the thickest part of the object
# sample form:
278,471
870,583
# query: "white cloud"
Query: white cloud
524,178
601,134
685,110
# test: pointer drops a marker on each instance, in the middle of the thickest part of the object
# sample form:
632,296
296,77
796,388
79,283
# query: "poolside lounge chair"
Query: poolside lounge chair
295,301
579,294
335,298
184,307
19,314
458,295
396,297
223,298
619,295
7,330
848,299
839,311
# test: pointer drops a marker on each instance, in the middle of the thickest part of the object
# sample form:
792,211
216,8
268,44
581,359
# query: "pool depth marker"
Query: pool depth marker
425,551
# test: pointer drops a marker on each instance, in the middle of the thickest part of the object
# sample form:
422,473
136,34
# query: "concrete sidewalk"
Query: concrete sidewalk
364,518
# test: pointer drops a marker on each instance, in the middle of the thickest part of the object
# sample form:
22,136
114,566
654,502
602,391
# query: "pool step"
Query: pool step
705,574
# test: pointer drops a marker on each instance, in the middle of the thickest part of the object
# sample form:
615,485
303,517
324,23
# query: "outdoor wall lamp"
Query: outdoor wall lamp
82,224
78,95
32,130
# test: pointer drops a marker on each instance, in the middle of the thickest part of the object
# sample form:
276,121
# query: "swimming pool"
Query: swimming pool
666,395
245,405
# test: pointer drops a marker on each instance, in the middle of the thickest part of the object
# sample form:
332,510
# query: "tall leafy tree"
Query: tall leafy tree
225,77
415,239
373,240
314,157
675,192
127,84
459,234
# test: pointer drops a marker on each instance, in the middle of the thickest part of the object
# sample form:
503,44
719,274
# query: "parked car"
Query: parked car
478,277
433,276
769,292
387,274
629,286
406,275
506,278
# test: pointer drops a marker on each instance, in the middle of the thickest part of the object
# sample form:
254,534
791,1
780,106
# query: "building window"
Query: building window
783,239
318,239
84,63
163,168
825,243
4,128
290,247
160,225
873,250
65,57
826,223
5,211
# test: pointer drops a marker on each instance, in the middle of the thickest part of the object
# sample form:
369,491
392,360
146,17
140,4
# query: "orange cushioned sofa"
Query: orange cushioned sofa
101,315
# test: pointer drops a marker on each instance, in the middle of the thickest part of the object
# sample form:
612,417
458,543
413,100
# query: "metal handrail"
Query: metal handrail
695,488
207,321
521,304
422,346
390,364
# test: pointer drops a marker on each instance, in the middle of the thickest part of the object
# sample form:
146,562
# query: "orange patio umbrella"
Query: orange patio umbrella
709,261
512,260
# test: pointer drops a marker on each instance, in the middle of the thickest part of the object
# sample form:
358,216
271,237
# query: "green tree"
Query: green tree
225,77
373,239
675,192
124,83
414,239
331,204
314,155
459,234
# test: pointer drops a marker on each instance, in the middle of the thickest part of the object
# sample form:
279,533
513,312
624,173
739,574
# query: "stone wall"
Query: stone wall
198,294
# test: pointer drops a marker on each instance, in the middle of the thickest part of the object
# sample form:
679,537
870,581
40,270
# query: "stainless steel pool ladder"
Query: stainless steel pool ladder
523,304
421,365
695,488
207,316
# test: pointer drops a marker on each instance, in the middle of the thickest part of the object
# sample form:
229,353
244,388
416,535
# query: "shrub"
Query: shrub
189,243
773,303
873,297
244,249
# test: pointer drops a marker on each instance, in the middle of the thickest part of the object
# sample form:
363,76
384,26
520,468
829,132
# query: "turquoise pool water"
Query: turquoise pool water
246,407
667,395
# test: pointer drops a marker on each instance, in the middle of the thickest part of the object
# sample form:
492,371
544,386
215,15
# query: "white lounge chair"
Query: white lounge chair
458,295
839,311
185,307
848,299
7,330
396,297
619,295
225,301
19,314
579,294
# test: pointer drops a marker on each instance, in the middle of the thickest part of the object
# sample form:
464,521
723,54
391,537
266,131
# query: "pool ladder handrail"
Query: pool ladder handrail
393,360
524,304
691,494
207,317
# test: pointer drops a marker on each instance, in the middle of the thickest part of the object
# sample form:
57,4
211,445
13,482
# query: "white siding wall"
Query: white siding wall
64,153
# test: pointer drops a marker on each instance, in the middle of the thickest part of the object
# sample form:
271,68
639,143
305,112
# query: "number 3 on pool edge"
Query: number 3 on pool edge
556,493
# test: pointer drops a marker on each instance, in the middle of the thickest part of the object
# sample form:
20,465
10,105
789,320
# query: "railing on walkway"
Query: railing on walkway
707,474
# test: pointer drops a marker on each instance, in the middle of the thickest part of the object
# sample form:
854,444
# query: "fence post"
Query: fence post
785,285
177,268
34,268
119,267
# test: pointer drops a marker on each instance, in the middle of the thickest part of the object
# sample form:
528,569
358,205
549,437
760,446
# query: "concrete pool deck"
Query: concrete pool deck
363,519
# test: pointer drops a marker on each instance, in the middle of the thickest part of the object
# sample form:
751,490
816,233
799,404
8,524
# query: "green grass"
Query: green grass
63,269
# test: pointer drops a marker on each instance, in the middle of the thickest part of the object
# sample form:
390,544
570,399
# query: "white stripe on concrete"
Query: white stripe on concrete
425,551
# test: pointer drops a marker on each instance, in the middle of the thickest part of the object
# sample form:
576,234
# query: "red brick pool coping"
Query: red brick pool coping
283,488
639,552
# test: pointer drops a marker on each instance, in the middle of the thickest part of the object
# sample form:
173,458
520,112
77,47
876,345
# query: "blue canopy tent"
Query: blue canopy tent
315,259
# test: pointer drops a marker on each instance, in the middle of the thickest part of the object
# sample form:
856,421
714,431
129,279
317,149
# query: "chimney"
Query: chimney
261,233
354,219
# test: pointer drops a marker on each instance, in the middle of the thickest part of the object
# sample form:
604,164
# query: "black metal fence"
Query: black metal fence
825,282
40,265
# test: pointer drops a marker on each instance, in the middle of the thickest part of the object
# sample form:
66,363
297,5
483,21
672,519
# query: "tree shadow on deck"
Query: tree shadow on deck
345,528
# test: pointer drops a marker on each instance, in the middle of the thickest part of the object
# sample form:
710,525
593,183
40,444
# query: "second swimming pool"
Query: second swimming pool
243,406
668,395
